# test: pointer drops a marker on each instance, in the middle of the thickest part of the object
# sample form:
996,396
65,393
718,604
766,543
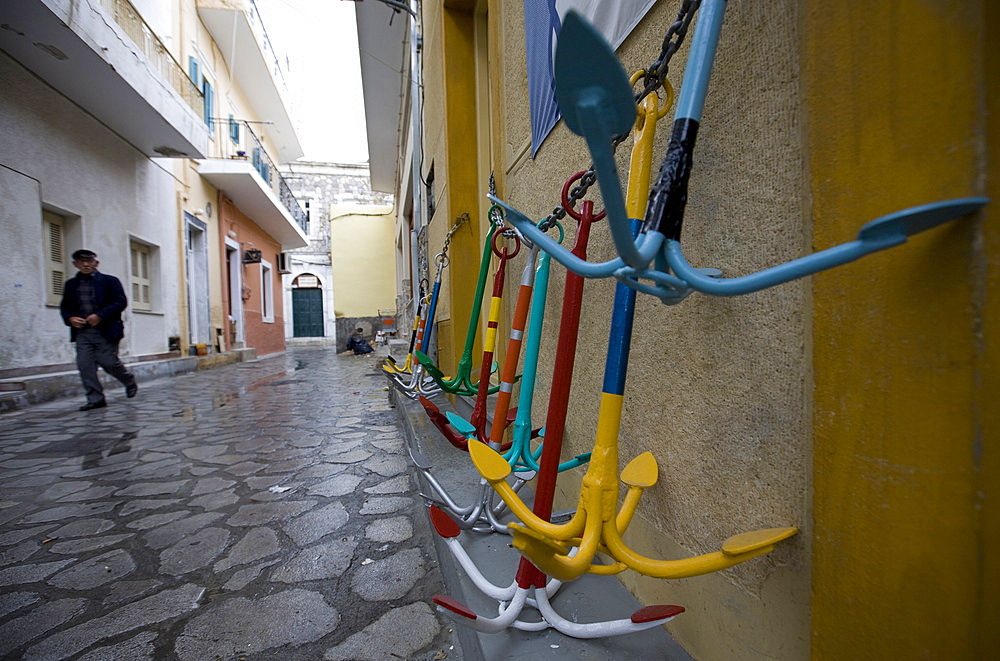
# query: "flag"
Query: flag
614,19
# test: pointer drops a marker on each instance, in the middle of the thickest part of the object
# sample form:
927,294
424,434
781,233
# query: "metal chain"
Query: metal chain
441,259
575,194
653,77
656,72
496,213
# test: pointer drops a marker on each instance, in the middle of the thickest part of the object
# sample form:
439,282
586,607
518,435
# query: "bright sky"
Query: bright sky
320,40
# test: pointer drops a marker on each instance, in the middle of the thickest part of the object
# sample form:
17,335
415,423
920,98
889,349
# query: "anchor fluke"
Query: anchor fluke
659,612
756,539
642,471
443,524
489,463
447,603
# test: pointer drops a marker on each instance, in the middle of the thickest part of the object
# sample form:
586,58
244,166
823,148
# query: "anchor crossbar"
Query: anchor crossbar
594,96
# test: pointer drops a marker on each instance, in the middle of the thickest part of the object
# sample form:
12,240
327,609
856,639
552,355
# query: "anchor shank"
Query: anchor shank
555,422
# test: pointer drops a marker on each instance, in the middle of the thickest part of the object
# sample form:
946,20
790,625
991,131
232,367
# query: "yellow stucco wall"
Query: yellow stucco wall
855,405
905,370
717,388
989,368
363,258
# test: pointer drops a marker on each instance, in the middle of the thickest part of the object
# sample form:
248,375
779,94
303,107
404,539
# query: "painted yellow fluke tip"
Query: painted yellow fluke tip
642,471
488,462
756,539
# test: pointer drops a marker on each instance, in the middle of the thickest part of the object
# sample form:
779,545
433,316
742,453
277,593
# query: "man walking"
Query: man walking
92,307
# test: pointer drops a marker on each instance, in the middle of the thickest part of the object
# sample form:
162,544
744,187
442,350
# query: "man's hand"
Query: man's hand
77,322
92,320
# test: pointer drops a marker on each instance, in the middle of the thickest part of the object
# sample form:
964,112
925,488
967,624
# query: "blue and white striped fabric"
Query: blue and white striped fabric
614,19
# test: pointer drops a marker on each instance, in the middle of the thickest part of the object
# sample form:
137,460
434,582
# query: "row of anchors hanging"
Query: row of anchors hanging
596,100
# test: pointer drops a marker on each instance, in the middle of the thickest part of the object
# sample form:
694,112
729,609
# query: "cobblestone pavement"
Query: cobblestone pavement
262,510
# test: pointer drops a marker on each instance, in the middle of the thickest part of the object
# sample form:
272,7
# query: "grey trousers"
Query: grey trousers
92,349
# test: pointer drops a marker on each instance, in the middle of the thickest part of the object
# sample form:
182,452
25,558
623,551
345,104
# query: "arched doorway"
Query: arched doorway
307,306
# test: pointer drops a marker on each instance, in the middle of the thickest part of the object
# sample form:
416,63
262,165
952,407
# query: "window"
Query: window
266,291
261,165
234,130
209,93
53,235
140,276
194,71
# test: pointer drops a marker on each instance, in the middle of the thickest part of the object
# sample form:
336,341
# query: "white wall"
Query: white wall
55,155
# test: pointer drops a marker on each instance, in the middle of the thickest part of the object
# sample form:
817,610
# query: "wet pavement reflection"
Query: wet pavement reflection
262,510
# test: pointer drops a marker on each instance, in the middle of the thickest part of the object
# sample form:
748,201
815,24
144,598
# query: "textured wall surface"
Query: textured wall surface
718,388
855,405
106,189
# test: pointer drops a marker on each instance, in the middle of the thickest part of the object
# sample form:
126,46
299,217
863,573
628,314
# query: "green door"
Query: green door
307,312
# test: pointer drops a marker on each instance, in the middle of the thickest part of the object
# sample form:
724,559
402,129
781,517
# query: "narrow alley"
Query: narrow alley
263,510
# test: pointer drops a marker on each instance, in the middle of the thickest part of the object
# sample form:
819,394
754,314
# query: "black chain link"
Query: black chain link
495,213
653,77
656,73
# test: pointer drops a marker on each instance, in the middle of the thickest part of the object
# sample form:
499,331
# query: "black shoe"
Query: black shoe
131,390
93,405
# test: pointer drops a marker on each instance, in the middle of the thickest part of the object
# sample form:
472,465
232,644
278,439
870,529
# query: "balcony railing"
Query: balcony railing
234,139
126,16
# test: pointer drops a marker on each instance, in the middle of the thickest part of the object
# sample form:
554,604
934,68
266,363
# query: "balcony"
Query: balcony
104,58
240,167
236,27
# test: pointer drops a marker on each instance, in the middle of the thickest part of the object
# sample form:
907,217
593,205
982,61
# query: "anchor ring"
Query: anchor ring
573,213
668,91
504,253
557,224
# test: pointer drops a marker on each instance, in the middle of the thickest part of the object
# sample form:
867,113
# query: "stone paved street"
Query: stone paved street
262,510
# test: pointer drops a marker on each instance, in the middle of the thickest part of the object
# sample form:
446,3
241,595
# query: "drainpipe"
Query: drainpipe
416,152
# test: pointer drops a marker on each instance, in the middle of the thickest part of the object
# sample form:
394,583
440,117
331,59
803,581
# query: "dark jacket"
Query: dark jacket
109,297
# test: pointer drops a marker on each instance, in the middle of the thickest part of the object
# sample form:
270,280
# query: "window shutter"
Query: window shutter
140,277
193,70
55,258
206,88
234,130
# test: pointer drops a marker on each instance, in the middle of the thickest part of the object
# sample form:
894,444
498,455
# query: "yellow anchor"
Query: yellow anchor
596,527
416,338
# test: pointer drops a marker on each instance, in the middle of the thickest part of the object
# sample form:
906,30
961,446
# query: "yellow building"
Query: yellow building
855,404
364,277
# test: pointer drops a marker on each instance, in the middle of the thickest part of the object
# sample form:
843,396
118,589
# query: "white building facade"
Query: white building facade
128,130
85,116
